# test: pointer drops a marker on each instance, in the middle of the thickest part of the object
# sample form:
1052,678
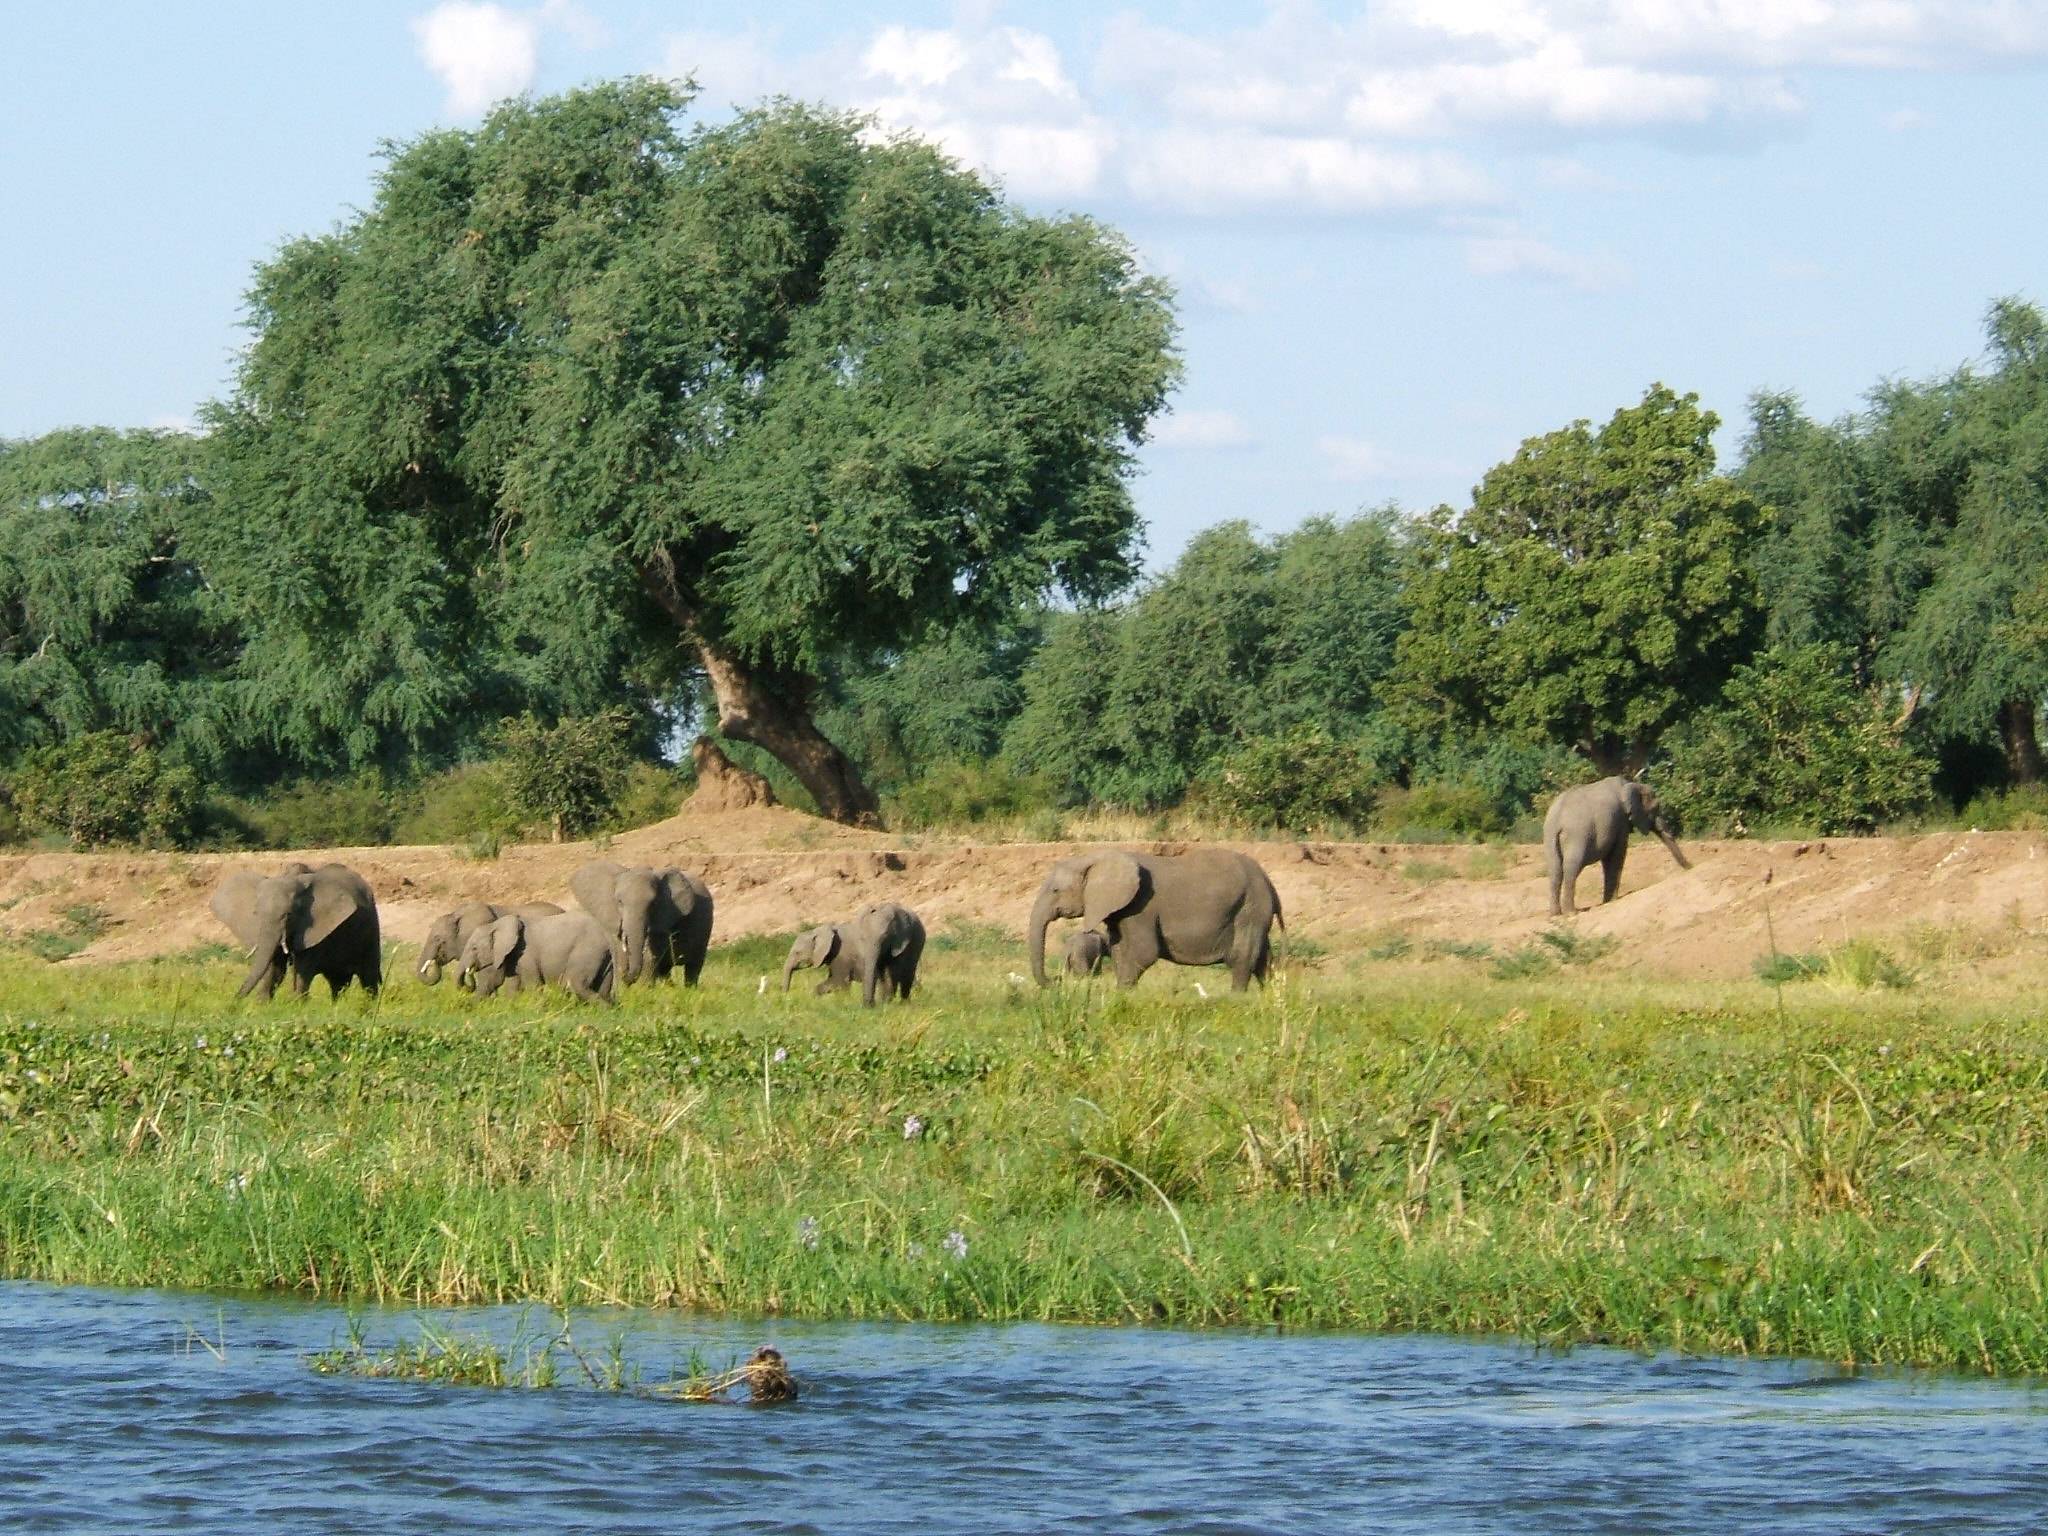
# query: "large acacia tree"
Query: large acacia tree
588,393
1599,588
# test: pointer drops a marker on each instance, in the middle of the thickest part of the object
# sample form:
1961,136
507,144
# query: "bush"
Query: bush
1794,740
346,813
1298,780
105,787
1439,812
2021,809
452,808
962,794
570,774
652,792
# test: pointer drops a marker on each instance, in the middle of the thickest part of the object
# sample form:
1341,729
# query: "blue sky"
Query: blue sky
1406,235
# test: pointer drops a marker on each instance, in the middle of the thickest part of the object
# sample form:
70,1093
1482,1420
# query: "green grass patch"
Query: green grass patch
1856,1174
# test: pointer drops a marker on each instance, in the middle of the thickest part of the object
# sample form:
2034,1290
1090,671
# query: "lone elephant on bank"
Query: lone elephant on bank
314,922
1591,824
1209,907
879,947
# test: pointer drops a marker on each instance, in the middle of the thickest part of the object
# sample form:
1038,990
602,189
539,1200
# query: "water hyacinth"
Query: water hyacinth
807,1232
913,1127
956,1244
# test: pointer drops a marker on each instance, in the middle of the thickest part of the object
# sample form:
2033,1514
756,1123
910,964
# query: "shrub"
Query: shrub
961,794
2023,808
1794,740
105,787
454,807
345,813
1439,812
1297,780
570,774
652,792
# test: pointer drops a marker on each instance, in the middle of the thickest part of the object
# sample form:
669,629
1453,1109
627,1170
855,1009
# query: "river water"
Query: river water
114,1416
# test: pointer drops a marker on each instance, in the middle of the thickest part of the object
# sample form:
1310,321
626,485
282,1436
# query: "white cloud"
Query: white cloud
731,69
1202,429
480,52
1353,458
998,98
1221,171
483,52
1510,253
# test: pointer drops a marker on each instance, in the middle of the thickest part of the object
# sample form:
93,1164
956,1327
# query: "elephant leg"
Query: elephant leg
1572,860
1610,870
1133,956
870,980
903,976
1553,859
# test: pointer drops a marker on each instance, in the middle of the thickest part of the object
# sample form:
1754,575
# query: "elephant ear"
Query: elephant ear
896,936
595,889
680,890
234,903
331,899
505,936
827,943
1113,882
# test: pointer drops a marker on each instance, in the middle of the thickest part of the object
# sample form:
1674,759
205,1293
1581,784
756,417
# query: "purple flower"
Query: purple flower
781,1053
956,1244
913,1127
807,1232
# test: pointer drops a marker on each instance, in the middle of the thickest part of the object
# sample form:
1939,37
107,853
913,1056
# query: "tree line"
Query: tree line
599,427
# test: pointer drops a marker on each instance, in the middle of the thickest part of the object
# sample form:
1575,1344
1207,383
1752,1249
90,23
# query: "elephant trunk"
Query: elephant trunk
1671,847
789,968
265,967
1041,915
429,968
633,939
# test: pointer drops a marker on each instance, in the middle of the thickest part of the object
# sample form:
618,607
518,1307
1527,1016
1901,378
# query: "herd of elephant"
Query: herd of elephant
1207,907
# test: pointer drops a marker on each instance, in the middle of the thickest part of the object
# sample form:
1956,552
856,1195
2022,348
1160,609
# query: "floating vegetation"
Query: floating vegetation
536,1362
765,1376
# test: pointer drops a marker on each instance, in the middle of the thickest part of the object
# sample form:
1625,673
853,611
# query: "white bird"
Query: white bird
1200,990
763,987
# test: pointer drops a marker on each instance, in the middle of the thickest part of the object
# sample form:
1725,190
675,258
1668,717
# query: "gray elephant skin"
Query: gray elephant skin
660,917
1086,950
560,949
1209,907
310,922
451,931
1590,824
879,946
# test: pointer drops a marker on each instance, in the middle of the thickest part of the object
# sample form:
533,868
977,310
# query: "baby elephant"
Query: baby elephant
1086,950
452,930
565,949
879,945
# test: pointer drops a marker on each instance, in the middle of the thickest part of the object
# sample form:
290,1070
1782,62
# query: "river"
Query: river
145,1410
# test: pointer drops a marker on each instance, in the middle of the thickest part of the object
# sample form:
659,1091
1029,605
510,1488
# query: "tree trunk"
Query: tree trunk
770,707
2022,747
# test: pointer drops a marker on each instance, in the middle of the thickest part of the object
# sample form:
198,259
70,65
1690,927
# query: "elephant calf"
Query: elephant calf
562,949
1086,950
879,945
1590,824
451,931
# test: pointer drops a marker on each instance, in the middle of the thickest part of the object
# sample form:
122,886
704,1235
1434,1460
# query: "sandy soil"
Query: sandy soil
773,870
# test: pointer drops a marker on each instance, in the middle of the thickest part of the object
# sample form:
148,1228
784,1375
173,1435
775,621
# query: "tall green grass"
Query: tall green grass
1555,1156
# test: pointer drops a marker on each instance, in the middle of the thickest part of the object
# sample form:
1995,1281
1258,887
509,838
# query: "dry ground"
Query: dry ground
773,870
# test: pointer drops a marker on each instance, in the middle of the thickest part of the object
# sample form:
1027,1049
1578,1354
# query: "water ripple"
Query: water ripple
112,1416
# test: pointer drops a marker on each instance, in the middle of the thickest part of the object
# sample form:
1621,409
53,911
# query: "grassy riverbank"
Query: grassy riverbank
1562,1157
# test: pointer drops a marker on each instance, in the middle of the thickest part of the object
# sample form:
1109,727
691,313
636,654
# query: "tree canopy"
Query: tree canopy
588,393
105,624
1599,587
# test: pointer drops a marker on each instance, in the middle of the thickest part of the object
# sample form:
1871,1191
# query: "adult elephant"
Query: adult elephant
451,930
1210,907
879,947
661,917
1590,824
312,922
